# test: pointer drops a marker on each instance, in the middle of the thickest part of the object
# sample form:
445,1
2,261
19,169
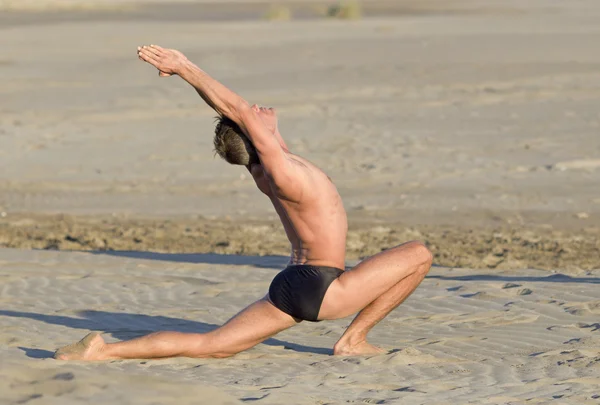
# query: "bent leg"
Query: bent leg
374,287
254,324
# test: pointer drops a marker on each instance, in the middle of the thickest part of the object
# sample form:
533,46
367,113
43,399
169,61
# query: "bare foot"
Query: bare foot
88,349
360,349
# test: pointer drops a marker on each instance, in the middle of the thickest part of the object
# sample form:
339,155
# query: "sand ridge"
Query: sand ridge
499,245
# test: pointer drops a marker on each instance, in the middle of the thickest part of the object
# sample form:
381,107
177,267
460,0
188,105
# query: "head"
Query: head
232,145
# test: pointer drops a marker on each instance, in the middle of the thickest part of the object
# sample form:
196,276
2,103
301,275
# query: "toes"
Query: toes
60,354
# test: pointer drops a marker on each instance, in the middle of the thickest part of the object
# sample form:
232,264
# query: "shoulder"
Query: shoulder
300,180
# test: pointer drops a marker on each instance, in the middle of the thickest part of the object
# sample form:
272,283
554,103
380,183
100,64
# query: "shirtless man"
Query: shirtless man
314,286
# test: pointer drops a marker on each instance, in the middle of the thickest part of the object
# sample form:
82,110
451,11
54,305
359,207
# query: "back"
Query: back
312,213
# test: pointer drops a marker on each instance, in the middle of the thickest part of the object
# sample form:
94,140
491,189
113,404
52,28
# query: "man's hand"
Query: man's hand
167,61
171,62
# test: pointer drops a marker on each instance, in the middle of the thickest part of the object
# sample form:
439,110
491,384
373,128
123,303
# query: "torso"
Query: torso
316,223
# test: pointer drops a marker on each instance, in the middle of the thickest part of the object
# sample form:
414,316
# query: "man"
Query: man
314,286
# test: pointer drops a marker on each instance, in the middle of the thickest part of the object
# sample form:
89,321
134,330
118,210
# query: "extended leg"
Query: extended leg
254,324
377,286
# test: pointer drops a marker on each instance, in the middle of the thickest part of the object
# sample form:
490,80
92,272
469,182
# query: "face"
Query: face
268,116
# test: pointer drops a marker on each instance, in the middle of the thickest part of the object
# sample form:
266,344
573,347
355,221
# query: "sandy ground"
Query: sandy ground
465,336
501,247
431,118
472,127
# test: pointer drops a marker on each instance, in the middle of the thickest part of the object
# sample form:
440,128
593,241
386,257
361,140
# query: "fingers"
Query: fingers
148,51
145,55
154,55
152,49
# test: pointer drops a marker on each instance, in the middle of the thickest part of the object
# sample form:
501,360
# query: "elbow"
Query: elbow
240,111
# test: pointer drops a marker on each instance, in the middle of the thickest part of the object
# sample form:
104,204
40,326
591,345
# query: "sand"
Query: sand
433,121
573,250
30,382
453,117
471,126
464,335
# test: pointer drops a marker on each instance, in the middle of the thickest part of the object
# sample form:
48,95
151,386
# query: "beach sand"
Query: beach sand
464,335
474,128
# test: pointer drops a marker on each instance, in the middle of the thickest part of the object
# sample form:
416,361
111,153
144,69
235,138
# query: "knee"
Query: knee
422,255
201,346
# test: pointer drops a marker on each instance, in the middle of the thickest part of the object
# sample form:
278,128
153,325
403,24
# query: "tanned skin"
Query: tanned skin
314,219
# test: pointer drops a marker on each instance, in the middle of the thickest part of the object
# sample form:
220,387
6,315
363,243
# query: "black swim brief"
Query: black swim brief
299,289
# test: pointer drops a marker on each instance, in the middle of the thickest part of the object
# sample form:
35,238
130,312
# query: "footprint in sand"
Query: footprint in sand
577,358
593,327
480,296
405,356
583,308
524,291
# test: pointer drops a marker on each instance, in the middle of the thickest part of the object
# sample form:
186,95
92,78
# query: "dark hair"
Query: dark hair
232,144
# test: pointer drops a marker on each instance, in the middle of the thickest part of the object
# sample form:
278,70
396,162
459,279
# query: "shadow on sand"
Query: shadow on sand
280,262
127,326
37,353
553,278
265,262
269,262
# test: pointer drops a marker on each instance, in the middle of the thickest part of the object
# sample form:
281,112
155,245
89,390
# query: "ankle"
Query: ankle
100,352
352,340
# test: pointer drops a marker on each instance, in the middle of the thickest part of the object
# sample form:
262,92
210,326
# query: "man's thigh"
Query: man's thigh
371,278
254,324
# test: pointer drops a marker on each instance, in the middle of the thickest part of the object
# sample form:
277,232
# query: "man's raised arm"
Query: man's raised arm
172,62
224,101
